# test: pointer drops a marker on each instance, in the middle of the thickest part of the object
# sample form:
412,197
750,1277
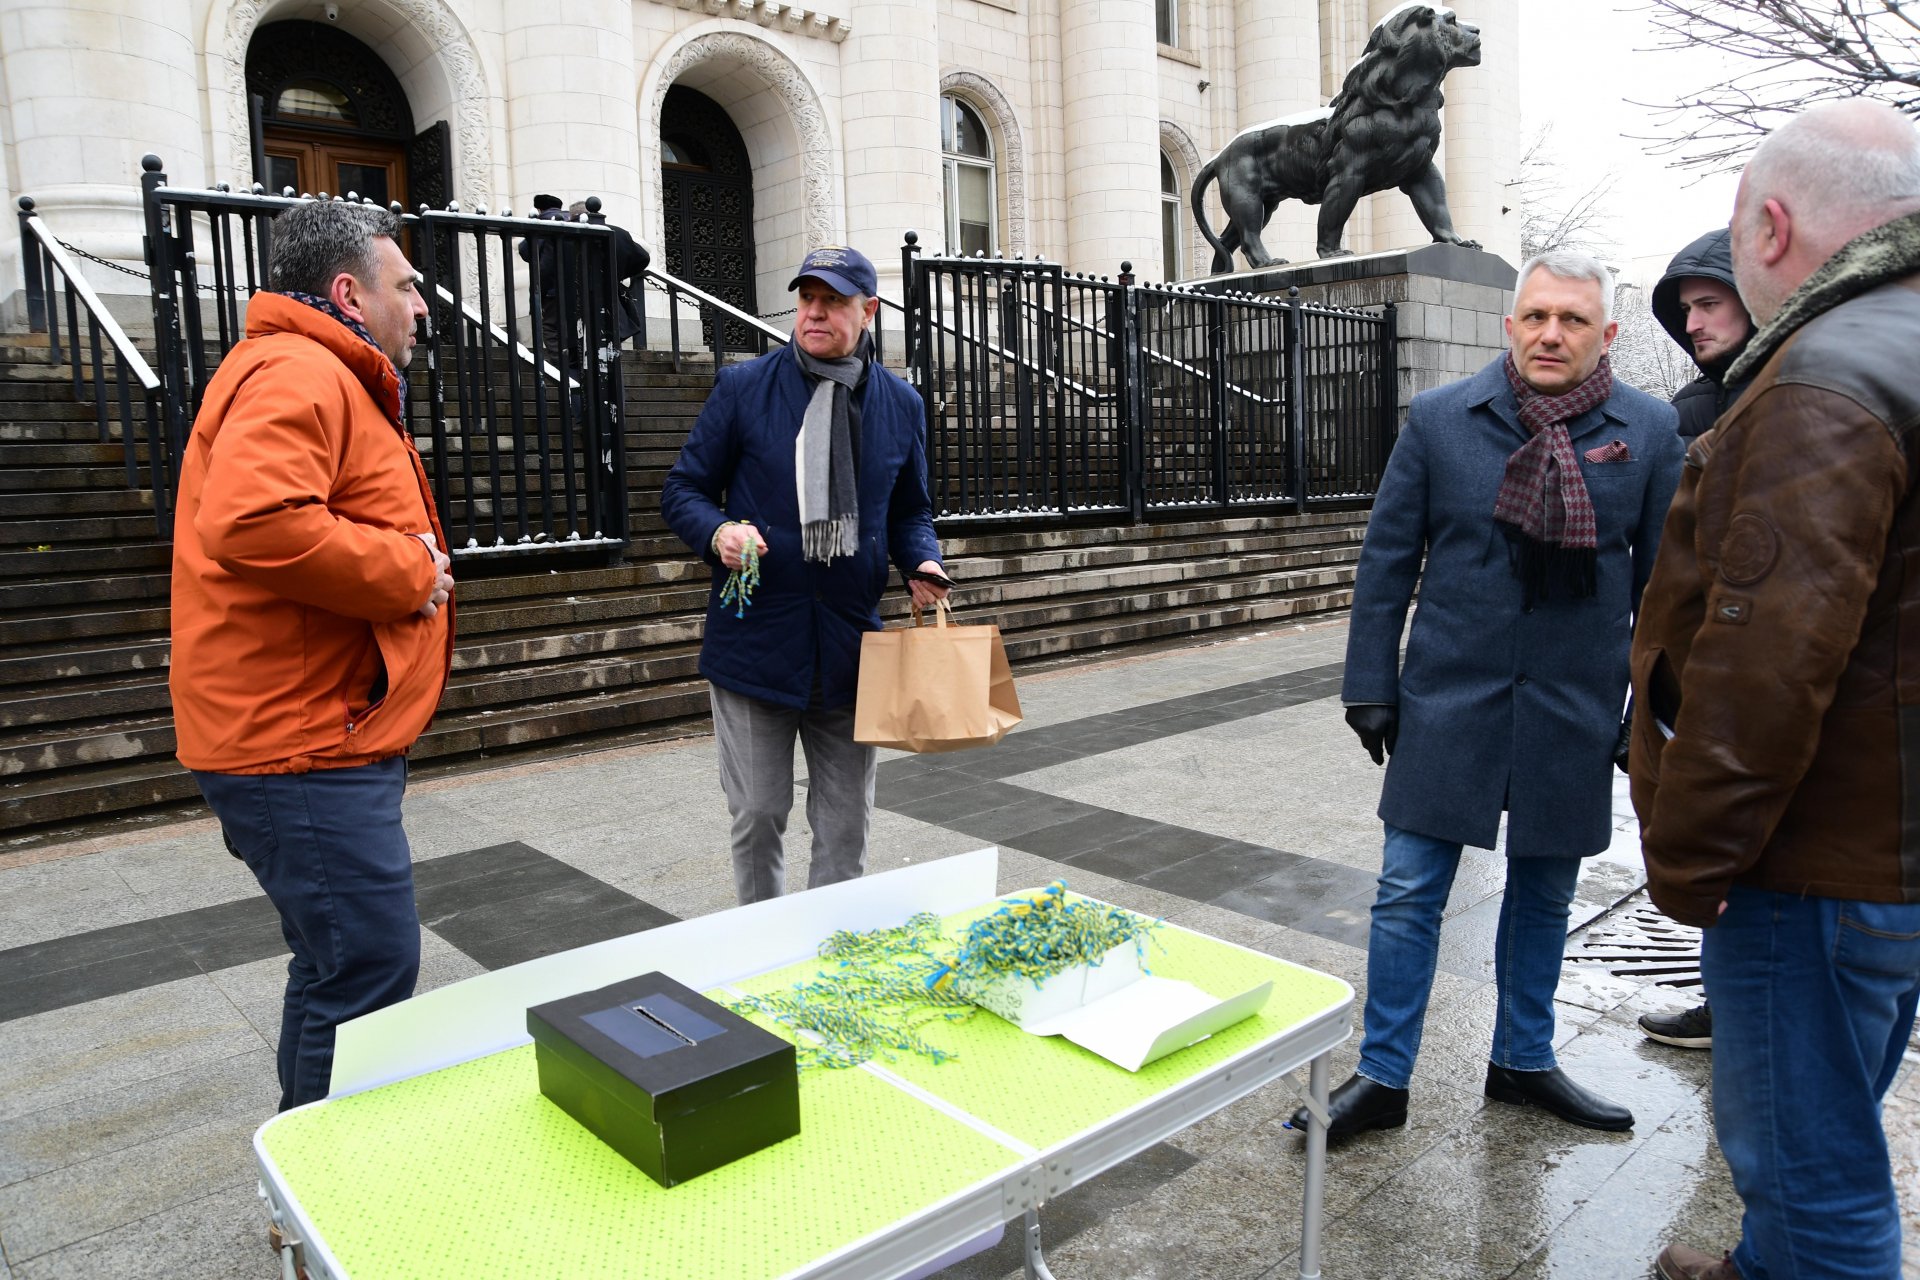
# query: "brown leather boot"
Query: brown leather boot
1678,1262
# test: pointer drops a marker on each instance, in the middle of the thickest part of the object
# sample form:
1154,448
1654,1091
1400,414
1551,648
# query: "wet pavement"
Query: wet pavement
1213,784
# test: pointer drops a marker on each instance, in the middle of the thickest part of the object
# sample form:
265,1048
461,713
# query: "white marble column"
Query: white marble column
1277,74
1481,130
572,119
1344,28
1109,71
890,106
1395,224
92,85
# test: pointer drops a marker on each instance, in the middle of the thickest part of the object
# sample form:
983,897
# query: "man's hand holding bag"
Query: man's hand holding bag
934,687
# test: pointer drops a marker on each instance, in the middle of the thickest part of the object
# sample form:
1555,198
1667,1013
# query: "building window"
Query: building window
1169,220
967,172
1166,21
317,100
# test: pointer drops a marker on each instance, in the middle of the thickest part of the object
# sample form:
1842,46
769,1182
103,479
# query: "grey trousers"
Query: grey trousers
756,772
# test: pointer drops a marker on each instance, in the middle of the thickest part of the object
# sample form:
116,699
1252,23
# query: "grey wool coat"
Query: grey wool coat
1500,707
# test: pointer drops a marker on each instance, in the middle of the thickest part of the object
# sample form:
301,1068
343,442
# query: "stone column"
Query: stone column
572,89
92,85
1108,83
1395,224
890,109
1046,186
1276,47
1344,27
1481,130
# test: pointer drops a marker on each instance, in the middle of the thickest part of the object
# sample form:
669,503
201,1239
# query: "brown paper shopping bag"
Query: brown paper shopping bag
934,688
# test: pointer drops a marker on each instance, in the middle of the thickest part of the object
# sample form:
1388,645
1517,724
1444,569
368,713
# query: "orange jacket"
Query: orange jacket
297,581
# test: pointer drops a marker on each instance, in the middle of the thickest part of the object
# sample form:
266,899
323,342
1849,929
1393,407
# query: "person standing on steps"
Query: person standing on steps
1534,493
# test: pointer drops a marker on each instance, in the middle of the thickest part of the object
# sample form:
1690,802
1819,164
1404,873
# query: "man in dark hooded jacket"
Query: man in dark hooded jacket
1697,304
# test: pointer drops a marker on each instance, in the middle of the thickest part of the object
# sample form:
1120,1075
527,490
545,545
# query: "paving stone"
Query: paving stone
107,1044
220,1236
82,1200
75,1132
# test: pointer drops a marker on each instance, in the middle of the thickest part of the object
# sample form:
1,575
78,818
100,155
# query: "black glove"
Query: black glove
1624,741
1378,726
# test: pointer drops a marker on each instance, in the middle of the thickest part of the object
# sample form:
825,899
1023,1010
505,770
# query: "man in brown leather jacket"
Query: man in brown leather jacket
1776,764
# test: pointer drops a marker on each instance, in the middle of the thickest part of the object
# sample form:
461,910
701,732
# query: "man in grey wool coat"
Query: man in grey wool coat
1535,490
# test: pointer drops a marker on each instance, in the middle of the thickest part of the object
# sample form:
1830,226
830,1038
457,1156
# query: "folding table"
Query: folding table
437,1156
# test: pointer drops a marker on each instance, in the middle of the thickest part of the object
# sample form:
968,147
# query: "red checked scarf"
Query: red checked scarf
1543,507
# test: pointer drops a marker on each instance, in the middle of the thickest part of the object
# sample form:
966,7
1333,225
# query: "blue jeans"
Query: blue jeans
328,849
1403,947
1813,999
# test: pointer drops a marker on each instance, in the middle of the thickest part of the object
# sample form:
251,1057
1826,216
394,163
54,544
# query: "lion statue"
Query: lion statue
1380,131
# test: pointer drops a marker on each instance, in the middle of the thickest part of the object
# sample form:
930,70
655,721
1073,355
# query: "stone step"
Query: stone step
103,502
19,416
41,800
63,479
96,605
15,453
43,594
117,785
137,695
67,530
31,669
75,559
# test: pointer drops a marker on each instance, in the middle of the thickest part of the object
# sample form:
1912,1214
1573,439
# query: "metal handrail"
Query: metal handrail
501,336
673,284
123,347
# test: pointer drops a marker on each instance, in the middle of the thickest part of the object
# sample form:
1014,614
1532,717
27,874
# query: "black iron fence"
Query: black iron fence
108,371
1051,394
517,410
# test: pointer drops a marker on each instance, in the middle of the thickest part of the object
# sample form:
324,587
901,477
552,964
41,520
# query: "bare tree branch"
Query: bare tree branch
1643,354
1789,55
1550,216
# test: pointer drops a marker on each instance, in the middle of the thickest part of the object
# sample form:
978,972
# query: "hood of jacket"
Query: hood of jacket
1709,257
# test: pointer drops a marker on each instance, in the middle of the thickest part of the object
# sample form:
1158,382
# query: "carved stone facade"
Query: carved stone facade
837,103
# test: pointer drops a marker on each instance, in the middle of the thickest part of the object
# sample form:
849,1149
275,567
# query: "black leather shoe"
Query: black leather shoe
1358,1105
1555,1092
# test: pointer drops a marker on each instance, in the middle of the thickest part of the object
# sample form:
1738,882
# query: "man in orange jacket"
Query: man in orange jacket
313,618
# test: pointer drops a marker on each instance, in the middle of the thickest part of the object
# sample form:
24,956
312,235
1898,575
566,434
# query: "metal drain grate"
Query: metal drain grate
1639,942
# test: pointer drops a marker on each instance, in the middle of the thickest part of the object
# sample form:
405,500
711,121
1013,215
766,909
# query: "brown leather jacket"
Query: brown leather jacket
1779,637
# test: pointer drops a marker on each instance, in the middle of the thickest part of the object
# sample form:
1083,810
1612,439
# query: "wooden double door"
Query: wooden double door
316,162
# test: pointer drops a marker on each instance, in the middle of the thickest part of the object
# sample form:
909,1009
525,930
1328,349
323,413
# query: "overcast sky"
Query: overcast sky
1581,61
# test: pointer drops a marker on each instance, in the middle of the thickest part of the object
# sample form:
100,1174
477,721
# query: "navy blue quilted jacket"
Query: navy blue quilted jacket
737,464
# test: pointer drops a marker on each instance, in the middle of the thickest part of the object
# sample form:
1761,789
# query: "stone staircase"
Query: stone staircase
547,658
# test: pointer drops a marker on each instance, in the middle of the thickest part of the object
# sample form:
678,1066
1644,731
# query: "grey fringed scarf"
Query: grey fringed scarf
823,456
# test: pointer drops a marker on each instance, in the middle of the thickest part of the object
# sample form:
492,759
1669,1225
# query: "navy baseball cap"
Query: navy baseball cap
842,269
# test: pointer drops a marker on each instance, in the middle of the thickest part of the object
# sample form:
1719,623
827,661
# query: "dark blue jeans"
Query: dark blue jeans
1813,999
1403,949
328,849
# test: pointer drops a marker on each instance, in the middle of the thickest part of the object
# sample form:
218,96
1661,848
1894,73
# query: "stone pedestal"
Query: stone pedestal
1450,303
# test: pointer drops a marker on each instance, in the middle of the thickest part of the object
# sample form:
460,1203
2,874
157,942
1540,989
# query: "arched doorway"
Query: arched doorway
706,198
328,115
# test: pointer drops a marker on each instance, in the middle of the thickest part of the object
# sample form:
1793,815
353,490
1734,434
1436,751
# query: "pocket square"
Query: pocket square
1615,451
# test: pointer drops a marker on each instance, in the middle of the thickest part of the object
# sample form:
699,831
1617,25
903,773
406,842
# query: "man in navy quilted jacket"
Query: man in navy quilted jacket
809,466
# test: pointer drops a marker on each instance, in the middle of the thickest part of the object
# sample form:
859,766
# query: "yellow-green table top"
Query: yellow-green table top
471,1171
